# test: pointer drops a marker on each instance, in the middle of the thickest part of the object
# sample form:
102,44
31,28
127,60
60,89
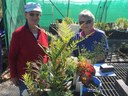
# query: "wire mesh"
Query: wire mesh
108,82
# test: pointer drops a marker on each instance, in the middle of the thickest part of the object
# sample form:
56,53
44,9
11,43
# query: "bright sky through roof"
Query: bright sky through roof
80,0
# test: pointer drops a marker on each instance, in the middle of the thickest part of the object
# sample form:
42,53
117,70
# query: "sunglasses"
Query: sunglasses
33,14
83,22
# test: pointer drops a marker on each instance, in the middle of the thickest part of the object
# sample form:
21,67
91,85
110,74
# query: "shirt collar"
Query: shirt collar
82,34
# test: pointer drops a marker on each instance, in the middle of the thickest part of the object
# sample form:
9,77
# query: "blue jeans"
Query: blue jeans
22,87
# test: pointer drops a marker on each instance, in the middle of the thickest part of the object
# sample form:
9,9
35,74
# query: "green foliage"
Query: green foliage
68,20
54,74
0,8
106,27
124,45
59,51
36,77
99,52
102,25
29,82
67,93
122,23
59,70
119,24
124,48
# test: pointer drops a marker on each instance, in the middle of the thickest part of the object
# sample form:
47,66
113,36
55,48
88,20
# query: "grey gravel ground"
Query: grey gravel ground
7,89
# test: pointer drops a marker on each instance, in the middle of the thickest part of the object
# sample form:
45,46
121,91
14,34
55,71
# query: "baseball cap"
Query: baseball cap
32,6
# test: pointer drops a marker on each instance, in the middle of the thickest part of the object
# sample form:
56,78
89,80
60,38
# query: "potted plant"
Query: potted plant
122,24
123,49
55,77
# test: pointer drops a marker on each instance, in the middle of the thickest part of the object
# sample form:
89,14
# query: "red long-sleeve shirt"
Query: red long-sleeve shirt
24,47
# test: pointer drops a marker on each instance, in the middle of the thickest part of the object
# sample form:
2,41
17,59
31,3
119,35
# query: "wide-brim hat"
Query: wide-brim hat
32,6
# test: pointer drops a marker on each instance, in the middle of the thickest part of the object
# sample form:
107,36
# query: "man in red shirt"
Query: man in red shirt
24,45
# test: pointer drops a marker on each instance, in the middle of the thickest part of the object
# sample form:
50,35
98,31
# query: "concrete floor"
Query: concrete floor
7,89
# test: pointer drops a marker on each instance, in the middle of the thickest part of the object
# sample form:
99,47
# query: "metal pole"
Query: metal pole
103,11
126,81
57,9
68,8
96,14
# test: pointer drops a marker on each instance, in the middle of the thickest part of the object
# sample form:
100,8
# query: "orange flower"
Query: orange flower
85,70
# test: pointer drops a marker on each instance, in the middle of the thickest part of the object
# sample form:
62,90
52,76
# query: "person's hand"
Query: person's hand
15,81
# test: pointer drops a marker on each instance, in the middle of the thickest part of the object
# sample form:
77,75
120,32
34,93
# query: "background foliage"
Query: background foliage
0,8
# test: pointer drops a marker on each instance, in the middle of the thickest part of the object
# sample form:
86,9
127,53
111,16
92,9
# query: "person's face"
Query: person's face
85,23
32,17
